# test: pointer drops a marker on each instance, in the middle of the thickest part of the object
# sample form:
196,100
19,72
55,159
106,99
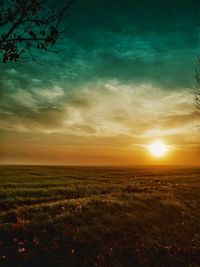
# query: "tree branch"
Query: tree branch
30,22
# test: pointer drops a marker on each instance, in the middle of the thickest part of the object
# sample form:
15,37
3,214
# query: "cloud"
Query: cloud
50,95
104,109
12,71
24,98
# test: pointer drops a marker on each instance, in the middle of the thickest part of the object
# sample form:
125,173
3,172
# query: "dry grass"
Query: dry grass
78,217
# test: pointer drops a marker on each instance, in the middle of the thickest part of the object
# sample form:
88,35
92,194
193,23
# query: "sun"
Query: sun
158,149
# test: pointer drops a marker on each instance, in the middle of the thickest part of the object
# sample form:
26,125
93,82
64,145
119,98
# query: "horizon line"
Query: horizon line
102,165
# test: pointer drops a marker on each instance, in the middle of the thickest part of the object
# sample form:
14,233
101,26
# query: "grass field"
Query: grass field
108,217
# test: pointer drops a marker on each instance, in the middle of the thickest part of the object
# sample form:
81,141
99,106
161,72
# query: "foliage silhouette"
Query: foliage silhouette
197,76
30,24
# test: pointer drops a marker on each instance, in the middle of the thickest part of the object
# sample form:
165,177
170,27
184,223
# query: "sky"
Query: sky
122,79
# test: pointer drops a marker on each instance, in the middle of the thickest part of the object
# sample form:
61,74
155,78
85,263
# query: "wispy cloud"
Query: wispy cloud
104,109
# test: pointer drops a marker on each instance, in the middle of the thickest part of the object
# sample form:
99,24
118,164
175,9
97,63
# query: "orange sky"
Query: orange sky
114,128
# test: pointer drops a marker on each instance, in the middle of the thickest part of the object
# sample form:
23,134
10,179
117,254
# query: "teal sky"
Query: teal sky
131,40
125,70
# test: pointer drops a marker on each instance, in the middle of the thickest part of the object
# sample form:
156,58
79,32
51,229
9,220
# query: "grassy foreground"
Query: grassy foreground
108,217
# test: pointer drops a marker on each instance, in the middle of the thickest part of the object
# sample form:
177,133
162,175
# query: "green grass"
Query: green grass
112,217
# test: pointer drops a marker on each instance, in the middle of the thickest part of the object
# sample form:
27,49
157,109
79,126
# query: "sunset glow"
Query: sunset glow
158,149
100,133
117,93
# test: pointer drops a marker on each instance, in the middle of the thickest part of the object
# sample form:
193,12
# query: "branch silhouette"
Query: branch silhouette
30,24
197,76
